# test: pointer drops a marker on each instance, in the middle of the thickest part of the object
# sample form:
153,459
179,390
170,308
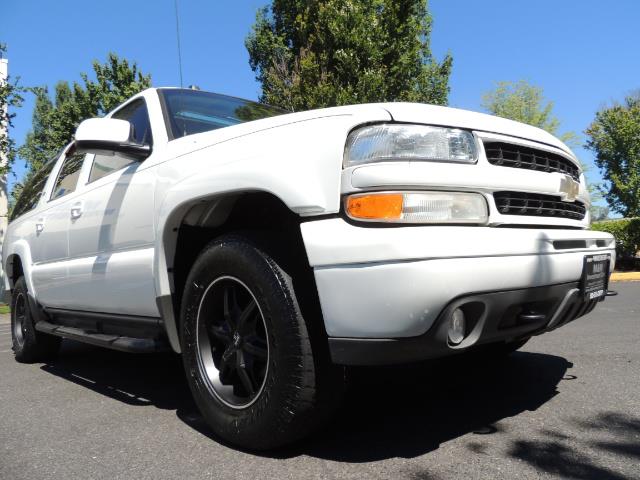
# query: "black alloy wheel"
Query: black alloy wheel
19,328
232,342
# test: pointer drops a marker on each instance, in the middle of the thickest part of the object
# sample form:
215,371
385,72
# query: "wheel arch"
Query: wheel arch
18,263
13,269
190,226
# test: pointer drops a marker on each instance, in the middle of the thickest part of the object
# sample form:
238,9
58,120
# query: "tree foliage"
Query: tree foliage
614,137
311,53
55,121
523,102
599,213
10,98
627,234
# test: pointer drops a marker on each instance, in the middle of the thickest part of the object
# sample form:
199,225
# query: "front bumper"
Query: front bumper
494,317
390,283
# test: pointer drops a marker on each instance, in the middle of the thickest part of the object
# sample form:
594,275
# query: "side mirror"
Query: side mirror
106,136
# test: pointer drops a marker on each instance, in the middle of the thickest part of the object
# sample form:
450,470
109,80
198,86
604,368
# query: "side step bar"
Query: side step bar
116,342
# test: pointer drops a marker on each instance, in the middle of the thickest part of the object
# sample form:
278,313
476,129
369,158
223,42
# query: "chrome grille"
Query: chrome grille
517,156
533,204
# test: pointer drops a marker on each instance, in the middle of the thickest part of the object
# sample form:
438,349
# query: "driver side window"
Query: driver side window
68,177
135,113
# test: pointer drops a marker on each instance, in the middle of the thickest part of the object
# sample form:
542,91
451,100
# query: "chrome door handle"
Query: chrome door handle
39,226
76,210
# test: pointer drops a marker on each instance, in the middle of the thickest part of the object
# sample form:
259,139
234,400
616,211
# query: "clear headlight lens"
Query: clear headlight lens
422,207
397,142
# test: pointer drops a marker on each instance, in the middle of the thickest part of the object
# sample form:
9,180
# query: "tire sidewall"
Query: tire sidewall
20,351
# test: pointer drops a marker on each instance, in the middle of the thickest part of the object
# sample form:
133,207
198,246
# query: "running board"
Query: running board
115,342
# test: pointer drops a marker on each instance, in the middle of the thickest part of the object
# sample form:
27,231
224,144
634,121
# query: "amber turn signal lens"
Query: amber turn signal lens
384,206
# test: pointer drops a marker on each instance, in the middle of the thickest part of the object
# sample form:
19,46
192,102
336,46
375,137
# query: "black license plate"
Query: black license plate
595,276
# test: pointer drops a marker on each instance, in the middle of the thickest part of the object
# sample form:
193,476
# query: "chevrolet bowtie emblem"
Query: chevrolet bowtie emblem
569,188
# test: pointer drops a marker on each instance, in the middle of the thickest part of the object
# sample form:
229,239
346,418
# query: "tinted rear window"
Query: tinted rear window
32,190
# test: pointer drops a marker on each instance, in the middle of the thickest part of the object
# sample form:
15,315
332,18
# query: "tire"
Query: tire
29,345
258,378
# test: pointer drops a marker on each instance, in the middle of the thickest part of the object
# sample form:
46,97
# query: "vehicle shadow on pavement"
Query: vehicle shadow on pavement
135,379
388,412
409,411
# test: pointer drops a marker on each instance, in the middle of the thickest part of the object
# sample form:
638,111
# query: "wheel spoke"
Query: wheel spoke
225,366
255,350
229,306
228,353
246,313
221,334
244,378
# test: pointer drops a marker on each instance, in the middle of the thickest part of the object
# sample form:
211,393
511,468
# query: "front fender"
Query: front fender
299,163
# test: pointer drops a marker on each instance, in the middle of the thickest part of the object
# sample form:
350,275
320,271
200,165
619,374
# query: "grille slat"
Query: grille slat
517,156
534,204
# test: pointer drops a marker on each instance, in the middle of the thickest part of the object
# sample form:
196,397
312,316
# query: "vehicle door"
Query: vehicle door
49,244
111,235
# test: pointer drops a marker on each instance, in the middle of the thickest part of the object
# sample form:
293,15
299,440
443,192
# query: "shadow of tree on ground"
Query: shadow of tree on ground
557,458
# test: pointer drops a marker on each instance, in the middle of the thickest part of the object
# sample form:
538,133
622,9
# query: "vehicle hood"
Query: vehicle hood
380,112
361,114
455,117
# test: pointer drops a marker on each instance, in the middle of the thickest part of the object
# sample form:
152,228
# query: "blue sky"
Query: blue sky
584,53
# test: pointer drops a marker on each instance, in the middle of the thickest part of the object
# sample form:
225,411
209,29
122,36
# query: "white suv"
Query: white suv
271,249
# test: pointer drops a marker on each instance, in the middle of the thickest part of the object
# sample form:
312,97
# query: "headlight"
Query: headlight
398,142
418,207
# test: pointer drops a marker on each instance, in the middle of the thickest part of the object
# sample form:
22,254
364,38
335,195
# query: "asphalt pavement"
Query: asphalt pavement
566,406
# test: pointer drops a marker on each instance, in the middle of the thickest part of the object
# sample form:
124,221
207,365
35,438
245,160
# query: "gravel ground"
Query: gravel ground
566,406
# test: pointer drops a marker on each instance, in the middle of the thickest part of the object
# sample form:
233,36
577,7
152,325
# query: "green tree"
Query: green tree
55,121
36,149
523,102
614,137
10,98
599,213
312,54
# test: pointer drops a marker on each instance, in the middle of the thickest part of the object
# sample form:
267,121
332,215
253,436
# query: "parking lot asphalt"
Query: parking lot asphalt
566,406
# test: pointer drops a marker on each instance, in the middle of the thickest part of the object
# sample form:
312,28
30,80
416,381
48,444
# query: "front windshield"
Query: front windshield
194,111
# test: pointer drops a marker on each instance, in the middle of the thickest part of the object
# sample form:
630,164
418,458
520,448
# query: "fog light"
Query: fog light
457,327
